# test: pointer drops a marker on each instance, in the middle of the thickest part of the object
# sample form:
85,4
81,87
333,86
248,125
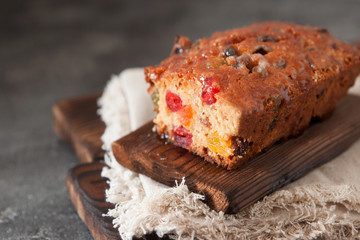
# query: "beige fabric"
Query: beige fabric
323,204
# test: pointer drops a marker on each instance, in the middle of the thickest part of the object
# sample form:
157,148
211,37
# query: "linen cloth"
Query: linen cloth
323,204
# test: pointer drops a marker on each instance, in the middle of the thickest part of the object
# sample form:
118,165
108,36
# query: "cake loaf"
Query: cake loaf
232,95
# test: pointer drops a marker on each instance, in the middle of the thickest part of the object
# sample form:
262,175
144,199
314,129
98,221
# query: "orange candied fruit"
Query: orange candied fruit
219,145
186,115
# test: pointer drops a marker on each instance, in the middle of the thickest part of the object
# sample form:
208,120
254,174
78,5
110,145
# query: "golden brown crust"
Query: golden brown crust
276,74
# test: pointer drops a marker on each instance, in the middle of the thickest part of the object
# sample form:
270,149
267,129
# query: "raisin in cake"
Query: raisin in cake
230,96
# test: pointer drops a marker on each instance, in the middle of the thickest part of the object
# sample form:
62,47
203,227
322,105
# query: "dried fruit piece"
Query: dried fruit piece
218,145
173,101
178,50
239,145
208,95
182,136
208,81
155,99
262,49
209,91
186,115
230,51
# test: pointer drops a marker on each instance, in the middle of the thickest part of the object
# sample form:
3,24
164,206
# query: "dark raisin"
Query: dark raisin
280,64
178,50
230,51
272,124
266,38
239,145
262,49
320,94
322,30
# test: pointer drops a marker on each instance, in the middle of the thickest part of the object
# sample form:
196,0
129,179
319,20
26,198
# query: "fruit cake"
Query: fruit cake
232,95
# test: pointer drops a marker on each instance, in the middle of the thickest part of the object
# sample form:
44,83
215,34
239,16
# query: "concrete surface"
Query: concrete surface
51,50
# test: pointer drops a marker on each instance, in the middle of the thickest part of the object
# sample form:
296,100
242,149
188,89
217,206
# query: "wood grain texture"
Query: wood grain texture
77,123
87,192
230,191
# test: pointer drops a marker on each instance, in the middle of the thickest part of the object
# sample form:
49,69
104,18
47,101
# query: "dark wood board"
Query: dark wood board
231,191
87,192
77,123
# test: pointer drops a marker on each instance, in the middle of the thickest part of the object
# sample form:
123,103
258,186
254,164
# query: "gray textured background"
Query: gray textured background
51,50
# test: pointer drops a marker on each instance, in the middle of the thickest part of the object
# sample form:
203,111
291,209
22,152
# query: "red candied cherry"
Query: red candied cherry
208,81
182,136
208,93
173,101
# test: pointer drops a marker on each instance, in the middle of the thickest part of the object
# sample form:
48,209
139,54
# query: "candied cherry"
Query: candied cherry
173,101
209,81
209,91
182,136
208,95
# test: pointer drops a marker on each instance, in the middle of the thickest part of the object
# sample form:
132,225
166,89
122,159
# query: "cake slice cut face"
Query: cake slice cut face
233,95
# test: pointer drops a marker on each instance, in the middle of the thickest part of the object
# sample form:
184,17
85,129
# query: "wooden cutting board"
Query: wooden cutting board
77,123
87,192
